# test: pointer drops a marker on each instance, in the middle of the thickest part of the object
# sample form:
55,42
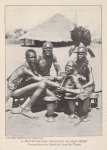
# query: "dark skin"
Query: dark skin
47,52
48,59
31,58
69,71
81,55
36,88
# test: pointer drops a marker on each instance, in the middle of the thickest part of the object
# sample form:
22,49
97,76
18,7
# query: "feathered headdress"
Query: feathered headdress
81,35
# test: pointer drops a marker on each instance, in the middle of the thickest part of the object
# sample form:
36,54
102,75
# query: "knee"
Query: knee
86,102
42,85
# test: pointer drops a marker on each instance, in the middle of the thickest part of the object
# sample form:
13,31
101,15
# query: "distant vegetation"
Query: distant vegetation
13,38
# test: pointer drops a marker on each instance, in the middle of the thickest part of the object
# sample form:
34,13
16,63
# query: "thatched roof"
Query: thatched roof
55,29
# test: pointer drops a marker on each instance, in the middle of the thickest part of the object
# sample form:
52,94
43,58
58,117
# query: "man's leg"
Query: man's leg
86,106
38,88
40,91
83,108
72,108
79,108
24,90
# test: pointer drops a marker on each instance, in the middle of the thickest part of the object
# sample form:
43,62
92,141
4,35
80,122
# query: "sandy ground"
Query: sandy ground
19,125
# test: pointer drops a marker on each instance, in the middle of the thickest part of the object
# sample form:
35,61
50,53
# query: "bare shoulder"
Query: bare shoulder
89,67
21,67
24,67
19,70
54,58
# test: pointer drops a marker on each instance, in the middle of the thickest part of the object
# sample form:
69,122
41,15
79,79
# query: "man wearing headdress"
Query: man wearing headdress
81,86
84,69
45,61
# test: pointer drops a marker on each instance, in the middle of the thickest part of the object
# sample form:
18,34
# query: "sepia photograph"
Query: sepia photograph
53,66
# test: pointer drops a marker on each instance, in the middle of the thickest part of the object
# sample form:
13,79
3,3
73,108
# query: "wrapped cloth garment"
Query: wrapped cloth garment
86,93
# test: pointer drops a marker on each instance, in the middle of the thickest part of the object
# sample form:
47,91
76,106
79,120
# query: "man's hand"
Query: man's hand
44,79
29,78
61,89
58,78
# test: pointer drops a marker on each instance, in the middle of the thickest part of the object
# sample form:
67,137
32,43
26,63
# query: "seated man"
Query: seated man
19,86
26,82
87,86
72,85
84,69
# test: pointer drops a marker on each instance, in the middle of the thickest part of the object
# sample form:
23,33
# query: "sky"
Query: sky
28,17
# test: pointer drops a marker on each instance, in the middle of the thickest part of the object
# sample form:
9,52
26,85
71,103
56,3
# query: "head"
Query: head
47,48
81,53
31,56
70,67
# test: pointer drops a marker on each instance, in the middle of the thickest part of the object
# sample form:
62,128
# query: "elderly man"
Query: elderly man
45,61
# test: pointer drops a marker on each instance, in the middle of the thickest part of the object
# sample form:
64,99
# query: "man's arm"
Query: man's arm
51,83
56,66
36,78
81,77
91,79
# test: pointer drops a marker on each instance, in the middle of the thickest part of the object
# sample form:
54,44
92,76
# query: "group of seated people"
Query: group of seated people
33,80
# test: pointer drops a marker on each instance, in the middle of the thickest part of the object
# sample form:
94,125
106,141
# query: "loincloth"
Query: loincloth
86,93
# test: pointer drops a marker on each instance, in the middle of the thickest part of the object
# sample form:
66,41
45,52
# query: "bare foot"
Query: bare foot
86,119
29,114
50,119
73,116
17,110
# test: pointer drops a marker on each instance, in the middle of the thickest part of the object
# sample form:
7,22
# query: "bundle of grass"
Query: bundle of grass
81,35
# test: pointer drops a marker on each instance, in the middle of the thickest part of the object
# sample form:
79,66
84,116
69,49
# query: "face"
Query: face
69,68
31,58
47,50
81,54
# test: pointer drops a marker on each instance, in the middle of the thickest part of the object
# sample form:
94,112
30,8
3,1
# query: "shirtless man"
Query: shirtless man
45,61
20,86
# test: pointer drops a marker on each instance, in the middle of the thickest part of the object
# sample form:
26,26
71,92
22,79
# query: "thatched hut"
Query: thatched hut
56,30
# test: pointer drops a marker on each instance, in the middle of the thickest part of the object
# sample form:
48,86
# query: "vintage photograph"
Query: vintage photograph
53,71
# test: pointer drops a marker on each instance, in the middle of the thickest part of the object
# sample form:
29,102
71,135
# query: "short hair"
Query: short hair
29,51
45,44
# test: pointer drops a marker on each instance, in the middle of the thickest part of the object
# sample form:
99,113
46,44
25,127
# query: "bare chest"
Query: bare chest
45,63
